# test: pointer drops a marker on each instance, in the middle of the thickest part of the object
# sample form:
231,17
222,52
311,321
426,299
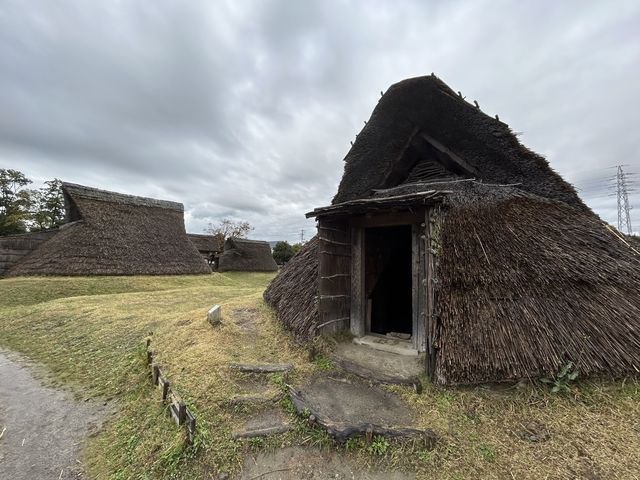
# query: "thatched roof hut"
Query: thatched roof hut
109,233
13,248
245,255
448,230
207,245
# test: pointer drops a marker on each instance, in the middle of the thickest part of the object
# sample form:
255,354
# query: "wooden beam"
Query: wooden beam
389,220
469,169
379,202
273,368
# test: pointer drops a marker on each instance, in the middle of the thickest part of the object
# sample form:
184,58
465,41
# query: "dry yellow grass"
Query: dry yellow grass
88,331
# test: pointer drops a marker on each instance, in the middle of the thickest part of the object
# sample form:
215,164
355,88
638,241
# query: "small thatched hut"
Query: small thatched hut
14,247
447,230
245,255
109,233
207,245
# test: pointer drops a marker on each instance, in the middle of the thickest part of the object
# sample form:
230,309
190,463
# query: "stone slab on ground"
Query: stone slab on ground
266,422
387,344
347,406
379,366
295,463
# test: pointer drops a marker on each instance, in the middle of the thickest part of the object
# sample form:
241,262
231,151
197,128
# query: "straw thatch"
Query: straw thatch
110,233
420,110
293,292
527,277
13,248
528,284
244,255
207,245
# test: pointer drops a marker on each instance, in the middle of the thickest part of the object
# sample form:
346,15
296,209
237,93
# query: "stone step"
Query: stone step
253,400
270,368
378,366
262,424
346,406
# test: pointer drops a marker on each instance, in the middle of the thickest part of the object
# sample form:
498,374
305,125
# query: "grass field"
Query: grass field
89,332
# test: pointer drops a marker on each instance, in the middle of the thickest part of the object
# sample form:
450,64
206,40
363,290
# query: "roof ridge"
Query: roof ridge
75,190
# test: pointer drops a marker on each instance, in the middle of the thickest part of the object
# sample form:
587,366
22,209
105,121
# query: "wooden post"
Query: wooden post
358,305
177,409
415,286
155,373
164,384
191,426
149,357
429,275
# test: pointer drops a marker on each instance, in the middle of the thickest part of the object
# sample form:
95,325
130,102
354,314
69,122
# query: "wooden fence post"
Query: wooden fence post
155,373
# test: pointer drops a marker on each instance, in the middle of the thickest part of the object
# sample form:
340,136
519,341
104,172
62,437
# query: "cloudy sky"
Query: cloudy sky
245,109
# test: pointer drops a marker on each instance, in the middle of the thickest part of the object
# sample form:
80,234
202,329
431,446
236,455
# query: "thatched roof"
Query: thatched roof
421,119
527,284
110,233
13,248
293,292
529,278
246,256
205,243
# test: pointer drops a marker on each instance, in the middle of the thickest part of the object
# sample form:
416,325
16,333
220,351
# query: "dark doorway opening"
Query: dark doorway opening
388,279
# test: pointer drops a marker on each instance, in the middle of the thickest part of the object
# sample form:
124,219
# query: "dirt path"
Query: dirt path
43,428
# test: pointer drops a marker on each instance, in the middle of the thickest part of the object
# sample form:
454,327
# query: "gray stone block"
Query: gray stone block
214,315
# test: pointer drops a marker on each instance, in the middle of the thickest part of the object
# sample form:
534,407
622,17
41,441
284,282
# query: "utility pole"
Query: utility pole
624,219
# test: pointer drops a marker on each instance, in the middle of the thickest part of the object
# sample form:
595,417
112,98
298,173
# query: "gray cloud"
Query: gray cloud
246,109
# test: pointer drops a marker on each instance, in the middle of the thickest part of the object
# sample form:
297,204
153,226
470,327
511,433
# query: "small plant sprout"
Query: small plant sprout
378,446
488,453
324,363
354,443
561,381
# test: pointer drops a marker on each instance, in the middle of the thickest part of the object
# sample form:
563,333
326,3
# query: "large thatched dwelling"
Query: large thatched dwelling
109,233
446,229
245,255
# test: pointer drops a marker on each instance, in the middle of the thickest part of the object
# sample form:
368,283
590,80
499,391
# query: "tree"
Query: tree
15,202
282,252
48,206
228,228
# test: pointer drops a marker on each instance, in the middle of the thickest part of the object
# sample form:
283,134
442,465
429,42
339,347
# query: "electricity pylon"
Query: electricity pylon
624,219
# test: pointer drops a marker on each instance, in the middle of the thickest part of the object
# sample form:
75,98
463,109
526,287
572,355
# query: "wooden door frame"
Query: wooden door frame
359,320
